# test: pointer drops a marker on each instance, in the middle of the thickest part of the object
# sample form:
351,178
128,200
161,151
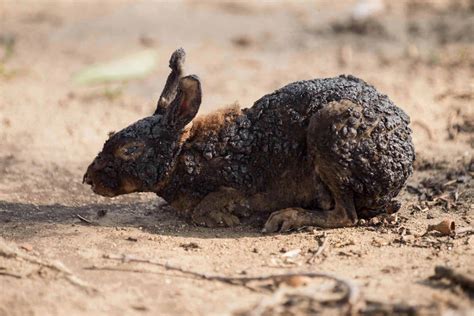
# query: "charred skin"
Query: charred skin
320,152
134,159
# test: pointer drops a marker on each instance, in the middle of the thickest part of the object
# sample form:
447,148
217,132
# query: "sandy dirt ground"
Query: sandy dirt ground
420,53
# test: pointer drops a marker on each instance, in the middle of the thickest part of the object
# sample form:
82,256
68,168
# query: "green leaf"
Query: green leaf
133,66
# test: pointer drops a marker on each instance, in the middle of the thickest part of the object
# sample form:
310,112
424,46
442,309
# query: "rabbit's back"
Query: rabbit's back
262,145
371,140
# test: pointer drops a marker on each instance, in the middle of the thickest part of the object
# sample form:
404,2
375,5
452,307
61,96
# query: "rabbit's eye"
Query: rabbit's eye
129,151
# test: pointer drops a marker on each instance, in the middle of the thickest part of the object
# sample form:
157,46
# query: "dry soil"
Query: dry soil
420,53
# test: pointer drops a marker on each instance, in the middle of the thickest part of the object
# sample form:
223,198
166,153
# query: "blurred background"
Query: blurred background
72,71
419,52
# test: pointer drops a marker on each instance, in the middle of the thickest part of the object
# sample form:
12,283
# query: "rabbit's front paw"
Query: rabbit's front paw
216,218
285,220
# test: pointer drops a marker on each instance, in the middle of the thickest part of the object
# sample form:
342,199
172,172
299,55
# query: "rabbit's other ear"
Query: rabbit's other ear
169,91
186,104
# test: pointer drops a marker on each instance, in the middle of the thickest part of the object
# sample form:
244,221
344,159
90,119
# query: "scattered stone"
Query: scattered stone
292,253
242,41
362,222
374,221
379,242
190,246
296,281
101,213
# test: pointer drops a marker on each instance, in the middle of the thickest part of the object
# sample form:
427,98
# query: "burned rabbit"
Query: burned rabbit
320,152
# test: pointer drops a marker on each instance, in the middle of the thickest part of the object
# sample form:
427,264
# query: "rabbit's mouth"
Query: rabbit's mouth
101,190
105,193
97,189
124,186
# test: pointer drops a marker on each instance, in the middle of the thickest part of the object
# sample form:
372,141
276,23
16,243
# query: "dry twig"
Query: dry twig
15,275
9,252
466,282
351,296
85,220
379,308
322,246
464,230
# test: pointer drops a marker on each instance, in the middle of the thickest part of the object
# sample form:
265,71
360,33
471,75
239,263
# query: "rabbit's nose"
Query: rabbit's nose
86,179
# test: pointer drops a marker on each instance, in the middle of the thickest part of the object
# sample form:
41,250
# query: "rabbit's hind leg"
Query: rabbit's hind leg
342,215
331,142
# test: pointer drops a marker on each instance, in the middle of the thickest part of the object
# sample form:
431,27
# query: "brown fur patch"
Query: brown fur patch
128,186
214,121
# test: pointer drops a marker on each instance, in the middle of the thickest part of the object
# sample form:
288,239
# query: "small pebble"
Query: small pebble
374,221
26,246
296,281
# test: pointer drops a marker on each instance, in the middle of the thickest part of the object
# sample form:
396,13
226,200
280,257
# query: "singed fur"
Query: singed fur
318,152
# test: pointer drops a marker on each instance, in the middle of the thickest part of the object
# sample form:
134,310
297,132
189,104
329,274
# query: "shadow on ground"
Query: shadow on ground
154,218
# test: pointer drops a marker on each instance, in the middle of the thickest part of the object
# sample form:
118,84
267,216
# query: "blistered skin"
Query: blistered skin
135,159
272,146
321,152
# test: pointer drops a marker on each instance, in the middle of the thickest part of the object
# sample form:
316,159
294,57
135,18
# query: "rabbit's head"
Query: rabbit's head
142,156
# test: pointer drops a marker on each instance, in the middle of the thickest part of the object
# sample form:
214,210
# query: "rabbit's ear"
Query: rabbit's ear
186,104
169,91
